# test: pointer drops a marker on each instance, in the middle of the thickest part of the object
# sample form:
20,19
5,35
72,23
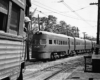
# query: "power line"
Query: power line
47,6
76,13
79,9
42,12
58,12
55,12
62,12
71,11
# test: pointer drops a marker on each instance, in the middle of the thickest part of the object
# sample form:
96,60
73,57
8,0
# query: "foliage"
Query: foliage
50,24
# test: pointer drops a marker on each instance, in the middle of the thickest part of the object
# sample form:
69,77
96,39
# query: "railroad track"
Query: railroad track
65,68
49,73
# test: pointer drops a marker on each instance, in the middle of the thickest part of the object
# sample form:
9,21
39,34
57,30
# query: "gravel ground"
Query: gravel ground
34,70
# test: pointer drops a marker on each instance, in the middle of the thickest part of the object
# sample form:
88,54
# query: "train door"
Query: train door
74,44
85,45
68,45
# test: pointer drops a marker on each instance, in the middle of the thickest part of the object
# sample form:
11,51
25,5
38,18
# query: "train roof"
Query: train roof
88,40
79,38
55,34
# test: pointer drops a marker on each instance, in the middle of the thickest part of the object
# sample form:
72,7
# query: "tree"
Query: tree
50,23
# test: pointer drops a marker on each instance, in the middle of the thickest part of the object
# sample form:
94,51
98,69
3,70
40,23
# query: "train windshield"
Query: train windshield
43,41
39,41
36,42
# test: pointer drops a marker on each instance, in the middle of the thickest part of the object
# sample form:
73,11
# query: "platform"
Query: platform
79,74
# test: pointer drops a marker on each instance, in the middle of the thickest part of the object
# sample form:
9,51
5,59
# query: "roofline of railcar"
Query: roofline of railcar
60,35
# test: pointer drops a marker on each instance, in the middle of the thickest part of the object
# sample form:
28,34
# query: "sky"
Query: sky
77,13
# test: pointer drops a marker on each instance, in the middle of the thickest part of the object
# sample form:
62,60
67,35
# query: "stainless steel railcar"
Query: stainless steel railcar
47,45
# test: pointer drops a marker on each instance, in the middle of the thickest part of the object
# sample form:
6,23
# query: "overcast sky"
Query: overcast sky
77,13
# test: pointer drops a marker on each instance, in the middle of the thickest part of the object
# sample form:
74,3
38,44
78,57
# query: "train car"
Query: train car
71,44
47,45
79,45
93,44
88,45
12,45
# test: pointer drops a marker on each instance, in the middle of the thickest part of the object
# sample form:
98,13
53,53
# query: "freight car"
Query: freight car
47,45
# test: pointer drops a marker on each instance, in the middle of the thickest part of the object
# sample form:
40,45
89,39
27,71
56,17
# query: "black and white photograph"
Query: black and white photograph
50,40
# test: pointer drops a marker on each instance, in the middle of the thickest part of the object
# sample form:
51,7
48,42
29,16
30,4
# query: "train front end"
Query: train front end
39,46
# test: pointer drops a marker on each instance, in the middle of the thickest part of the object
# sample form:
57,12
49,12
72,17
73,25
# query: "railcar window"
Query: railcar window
37,42
54,41
50,41
3,14
14,22
43,41
3,19
63,42
66,42
59,42
77,43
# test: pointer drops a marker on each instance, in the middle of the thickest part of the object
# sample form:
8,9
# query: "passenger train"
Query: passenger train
47,45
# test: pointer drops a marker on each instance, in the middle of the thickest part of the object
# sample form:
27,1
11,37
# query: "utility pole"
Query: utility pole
98,25
96,56
84,34
38,22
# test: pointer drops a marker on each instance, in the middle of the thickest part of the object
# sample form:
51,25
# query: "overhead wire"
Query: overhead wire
63,14
55,12
42,12
70,11
47,6
76,14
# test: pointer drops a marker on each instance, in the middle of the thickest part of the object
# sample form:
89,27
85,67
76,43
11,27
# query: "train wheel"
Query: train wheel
52,56
55,55
73,53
